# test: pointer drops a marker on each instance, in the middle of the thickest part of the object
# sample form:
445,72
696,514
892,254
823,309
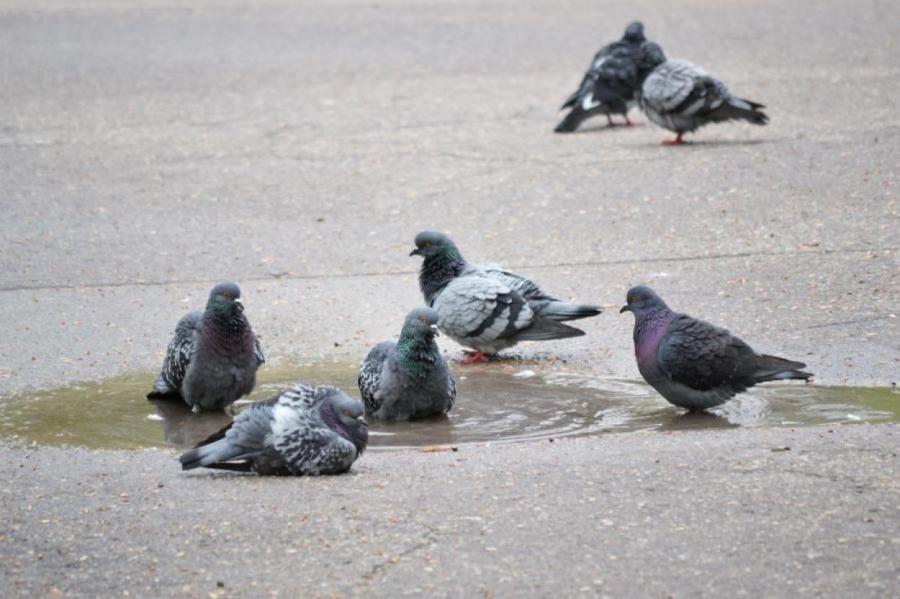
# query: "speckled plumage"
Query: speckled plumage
489,309
610,83
409,378
303,431
692,363
682,97
213,357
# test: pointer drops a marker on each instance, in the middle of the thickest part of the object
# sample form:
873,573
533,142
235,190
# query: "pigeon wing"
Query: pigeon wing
179,352
479,307
369,379
703,356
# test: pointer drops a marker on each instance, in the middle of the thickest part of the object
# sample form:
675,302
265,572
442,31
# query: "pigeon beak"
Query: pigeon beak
239,304
362,420
434,330
415,252
625,308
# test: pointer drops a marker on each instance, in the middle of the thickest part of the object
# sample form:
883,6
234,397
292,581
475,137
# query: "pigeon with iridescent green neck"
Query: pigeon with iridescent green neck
408,379
489,309
212,359
692,363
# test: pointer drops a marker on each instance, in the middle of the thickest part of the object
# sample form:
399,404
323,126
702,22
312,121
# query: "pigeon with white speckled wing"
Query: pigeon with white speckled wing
692,363
213,357
488,309
610,83
303,431
681,97
408,379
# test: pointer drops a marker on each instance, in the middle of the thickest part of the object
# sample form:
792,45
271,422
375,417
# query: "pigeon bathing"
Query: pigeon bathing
692,363
213,357
488,309
681,97
610,83
302,431
409,378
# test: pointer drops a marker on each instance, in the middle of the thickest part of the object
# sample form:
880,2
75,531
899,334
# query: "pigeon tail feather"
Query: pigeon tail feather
773,368
205,455
571,122
544,329
562,311
741,110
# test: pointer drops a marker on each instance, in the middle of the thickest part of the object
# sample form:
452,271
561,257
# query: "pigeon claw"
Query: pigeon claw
474,357
629,122
674,142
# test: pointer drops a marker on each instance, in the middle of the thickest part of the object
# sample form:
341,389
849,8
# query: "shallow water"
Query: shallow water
496,403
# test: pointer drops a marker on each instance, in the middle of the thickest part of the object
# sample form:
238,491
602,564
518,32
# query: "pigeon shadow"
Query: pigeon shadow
597,128
183,428
692,421
712,143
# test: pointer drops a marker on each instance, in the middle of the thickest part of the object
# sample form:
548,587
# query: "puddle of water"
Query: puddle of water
494,404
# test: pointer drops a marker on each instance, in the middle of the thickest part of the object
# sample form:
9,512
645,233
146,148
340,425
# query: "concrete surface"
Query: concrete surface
148,149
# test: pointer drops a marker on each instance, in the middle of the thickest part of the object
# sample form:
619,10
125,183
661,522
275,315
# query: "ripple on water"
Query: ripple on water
496,403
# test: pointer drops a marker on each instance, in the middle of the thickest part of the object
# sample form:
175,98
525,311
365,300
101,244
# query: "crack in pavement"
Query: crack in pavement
323,276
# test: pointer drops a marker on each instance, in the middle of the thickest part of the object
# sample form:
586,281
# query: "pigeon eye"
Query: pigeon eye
428,244
346,413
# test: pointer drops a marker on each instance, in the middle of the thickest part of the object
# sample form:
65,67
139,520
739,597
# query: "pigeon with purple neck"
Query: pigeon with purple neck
692,363
304,430
212,359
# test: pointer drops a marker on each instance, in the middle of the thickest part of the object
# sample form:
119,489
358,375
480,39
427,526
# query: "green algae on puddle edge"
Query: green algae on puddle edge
495,403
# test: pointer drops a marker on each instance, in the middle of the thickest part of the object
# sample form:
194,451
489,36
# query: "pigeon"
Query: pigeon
213,357
694,364
681,97
488,309
408,379
304,430
610,83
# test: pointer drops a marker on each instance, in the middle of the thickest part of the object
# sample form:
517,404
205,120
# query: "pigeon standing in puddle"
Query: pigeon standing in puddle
409,378
212,360
694,364
488,309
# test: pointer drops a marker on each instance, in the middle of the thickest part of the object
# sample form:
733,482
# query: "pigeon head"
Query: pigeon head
643,301
634,32
649,56
433,244
421,322
345,416
225,298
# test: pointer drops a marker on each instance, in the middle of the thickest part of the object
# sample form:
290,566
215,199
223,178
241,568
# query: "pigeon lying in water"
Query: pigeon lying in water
213,357
610,83
692,363
488,309
409,378
304,430
681,97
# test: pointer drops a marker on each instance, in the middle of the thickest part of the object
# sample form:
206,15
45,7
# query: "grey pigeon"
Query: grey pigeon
610,83
488,309
213,357
681,97
409,378
692,363
304,430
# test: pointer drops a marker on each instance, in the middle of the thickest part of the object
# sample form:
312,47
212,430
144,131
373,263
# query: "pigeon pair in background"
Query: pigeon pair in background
610,83
681,97
488,309
213,357
408,379
694,364
303,431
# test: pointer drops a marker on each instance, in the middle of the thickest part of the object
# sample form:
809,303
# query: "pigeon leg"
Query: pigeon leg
628,121
674,142
609,120
474,357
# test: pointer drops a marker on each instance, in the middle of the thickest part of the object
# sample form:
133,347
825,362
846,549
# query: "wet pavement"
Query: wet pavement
498,403
149,149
